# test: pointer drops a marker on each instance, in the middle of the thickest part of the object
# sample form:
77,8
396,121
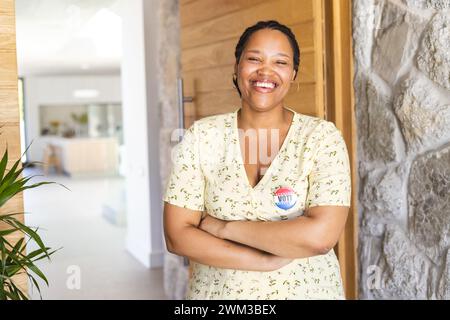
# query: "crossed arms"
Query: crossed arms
252,245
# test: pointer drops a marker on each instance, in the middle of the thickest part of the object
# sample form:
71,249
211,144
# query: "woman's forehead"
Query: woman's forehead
269,40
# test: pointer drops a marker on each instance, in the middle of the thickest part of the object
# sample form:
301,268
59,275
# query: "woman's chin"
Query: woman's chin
259,105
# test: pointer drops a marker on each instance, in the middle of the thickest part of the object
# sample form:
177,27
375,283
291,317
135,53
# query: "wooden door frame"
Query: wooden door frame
339,104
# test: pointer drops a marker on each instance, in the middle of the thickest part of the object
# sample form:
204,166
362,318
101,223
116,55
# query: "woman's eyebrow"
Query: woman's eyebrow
278,54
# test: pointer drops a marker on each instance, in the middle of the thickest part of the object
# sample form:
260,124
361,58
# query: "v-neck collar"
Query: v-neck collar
275,159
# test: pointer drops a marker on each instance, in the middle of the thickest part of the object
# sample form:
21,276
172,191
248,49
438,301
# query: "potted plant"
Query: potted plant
55,124
82,122
14,260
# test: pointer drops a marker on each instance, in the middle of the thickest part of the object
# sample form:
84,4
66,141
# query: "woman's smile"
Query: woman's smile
264,85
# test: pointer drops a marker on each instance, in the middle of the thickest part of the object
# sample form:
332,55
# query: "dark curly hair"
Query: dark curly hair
273,25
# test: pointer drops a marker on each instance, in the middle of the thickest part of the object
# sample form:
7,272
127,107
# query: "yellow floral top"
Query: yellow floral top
208,174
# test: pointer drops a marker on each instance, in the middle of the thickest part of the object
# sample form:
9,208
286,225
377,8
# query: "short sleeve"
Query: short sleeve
329,180
186,183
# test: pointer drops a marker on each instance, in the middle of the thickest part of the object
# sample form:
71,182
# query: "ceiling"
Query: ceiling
68,36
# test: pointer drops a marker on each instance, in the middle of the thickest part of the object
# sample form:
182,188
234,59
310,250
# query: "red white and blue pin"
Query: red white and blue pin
285,198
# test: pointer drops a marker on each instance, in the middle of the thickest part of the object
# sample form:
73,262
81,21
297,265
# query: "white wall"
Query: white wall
59,90
141,132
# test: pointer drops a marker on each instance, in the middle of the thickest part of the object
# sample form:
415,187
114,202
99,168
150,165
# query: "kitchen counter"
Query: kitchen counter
86,156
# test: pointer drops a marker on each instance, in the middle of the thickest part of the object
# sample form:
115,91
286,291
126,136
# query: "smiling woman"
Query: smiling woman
259,217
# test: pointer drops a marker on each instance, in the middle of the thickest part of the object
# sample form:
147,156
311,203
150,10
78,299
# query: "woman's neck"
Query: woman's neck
275,118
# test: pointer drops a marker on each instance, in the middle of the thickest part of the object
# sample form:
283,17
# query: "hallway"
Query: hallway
91,244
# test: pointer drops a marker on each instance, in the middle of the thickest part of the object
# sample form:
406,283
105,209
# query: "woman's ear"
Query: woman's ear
295,74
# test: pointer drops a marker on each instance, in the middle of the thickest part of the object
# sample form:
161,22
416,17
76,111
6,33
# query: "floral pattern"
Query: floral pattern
208,174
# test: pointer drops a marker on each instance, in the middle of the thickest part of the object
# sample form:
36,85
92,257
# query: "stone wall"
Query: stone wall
402,92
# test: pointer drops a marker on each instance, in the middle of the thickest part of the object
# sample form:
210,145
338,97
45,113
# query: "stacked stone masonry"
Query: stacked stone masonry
402,101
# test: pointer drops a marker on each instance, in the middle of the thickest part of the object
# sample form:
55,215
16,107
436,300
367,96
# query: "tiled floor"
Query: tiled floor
92,246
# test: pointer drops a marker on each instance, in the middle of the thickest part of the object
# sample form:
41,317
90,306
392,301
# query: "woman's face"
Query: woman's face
265,69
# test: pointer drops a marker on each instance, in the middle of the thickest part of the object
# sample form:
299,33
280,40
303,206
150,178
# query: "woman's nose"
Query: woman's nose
265,70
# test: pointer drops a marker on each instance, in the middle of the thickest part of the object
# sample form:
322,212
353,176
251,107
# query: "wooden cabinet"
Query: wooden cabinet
86,156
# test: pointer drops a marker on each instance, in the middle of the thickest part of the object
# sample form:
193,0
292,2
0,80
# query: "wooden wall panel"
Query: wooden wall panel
8,137
231,26
213,103
7,29
209,56
211,9
9,108
304,100
184,2
304,33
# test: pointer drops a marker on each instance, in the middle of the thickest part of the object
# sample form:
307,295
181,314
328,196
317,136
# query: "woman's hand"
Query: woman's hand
212,225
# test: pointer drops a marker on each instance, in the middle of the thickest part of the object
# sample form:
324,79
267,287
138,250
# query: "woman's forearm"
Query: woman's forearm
314,233
280,238
205,248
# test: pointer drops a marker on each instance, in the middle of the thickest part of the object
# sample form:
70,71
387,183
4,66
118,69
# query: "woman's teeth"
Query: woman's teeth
269,85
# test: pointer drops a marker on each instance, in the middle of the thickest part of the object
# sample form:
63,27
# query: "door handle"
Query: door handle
181,101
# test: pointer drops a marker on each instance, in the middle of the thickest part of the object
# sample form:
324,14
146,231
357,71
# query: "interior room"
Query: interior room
95,97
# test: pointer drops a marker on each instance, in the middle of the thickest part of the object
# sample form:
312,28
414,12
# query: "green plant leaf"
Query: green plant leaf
14,260
45,256
38,272
18,187
11,174
3,164
13,184
26,149
17,292
10,191
11,258
6,232
10,292
46,182
40,184
12,270
32,234
17,247
36,252
2,293
36,284
3,216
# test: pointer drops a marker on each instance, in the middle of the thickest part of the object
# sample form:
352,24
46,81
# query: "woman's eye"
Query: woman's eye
282,62
253,59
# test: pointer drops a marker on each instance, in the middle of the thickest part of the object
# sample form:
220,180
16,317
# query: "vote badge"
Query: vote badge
285,198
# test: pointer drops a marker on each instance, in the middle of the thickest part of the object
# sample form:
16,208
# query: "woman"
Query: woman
270,223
